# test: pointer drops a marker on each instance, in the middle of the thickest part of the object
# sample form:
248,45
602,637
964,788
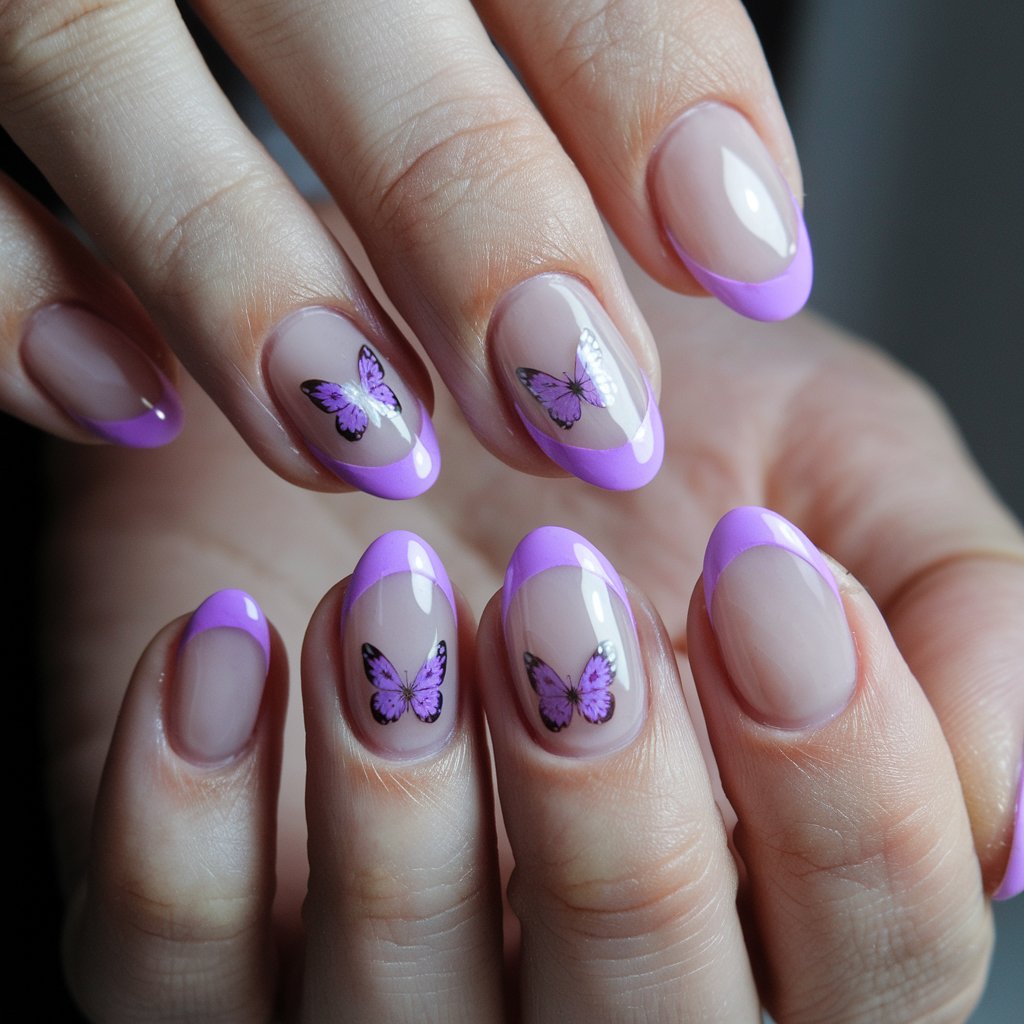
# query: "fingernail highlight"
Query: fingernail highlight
99,377
221,670
571,640
575,384
399,648
357,416
778,616
1013,878
730,215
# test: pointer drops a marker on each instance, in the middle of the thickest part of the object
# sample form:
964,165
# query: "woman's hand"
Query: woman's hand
477,211
797,417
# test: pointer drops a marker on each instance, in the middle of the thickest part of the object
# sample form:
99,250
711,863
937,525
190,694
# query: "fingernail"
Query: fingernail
571,638
398,639
575,384
775,608
1013,879
218,685
730,215
356,415
99,378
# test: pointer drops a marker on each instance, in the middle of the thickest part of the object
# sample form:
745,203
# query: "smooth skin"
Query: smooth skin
868,845
455,184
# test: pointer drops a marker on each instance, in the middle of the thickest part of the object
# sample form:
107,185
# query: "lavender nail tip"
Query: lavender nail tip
778,298
548,547
750,526
625,468
409,477
230,609
1013,878
398,551
158,425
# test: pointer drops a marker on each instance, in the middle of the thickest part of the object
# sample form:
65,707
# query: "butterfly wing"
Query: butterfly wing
371,378
427,697
596,701
389,702
554,394
350,419
555,702
598,387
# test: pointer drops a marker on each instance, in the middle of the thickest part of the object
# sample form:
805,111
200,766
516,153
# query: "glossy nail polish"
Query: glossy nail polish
399,648
575,384
1013,878
219,678
356,415
571,640
730,215
99,378
776,611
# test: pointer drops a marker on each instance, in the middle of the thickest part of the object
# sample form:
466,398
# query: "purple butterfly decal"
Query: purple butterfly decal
394,697
591,696
356,403
563,396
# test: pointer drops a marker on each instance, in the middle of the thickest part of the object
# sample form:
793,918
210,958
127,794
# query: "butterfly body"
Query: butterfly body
560,698
355,404
563,397
394,696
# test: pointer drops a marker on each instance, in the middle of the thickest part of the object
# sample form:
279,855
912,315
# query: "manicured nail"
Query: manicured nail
571,638
575,384
730,214
776,611
356,415
99,378
399,648
1013,879
218,685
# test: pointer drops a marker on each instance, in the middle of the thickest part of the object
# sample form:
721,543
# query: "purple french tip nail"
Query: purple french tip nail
157,426
550,546
398,551
409,477
99,377
749,527
729,213
230,609
356,414
1013,879
778,298
625,468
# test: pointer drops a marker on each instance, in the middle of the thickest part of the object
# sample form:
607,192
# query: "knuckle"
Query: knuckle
460,151
46,47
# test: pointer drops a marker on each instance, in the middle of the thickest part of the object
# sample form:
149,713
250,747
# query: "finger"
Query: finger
259,303
403,916
623,881
172,919
670,112
864,888
64,366
911,515
479,227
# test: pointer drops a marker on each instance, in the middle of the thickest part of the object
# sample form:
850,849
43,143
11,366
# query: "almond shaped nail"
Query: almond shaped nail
571,639
399,648
730,215
102,380
357,416
221,670
575,384
779,619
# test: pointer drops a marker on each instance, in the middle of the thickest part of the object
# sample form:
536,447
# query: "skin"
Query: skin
796,416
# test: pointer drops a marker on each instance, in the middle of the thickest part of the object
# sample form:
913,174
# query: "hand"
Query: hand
824,430
477,221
